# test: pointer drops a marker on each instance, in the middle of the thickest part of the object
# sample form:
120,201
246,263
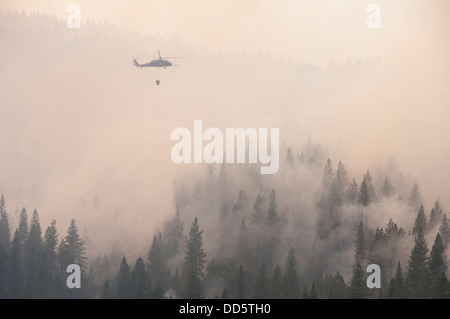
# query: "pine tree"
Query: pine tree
240,286
3,271
440,287
224,294
370,188
437,257
2,205
358,286
4,227
33,255
178,225
194,261
336,191
289,158
292,276
352,192
327,175
339,289
261,284
444,231
360,246
435,215
72,248
364,192
276,284
15,278
415,199
341,175
258,210
272,214
49,261
421,221
393,232
397,285
418,276
106,290
124,285
23,228
378,256
138,280
387,188
156,263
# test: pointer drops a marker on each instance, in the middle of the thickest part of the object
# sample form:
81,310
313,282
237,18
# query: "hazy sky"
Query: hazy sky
95,124
311,30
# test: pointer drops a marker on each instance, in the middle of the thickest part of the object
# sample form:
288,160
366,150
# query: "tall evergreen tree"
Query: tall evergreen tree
15,278
276,284
360,246
341,175
4,227
364,196
23,228
258,210
261,284
224,294
444,231
240,285
49,262
3,271
194,261
358,286
418,276
387,188
106,290
421,221
327,175
415,199
339,289
440,286
435,215
138,280
156,264
378,256
272,213
352,192
72,248
397,288
124,285
2,205
366,192
32,261
292,276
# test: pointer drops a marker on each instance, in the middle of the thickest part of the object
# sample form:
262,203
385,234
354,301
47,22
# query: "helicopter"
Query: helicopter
156,63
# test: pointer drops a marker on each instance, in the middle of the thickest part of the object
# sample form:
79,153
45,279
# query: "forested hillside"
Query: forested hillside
254,244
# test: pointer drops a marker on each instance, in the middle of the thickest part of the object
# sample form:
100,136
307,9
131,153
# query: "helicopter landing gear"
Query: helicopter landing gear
157,82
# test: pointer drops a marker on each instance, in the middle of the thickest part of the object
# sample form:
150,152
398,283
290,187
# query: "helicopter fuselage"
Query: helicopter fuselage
158,63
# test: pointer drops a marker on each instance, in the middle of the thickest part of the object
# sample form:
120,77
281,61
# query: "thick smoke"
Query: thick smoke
86,135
